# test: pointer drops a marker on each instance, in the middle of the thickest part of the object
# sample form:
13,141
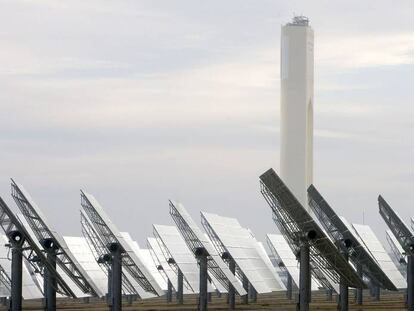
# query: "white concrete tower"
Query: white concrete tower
296,120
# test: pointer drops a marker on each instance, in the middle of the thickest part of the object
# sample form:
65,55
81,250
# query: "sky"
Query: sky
139,102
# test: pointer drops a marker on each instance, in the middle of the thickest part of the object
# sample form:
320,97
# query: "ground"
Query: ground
390,301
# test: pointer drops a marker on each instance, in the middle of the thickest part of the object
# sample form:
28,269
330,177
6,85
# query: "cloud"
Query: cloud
217,92
18,61
331,134
366,50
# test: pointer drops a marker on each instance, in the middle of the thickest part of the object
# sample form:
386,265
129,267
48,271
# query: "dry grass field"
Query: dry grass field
275,301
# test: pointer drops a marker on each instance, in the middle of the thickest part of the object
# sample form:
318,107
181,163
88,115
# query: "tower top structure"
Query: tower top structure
299,20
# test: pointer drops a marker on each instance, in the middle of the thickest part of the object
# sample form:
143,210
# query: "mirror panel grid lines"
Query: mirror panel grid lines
110,234
297,226
243,248
195,238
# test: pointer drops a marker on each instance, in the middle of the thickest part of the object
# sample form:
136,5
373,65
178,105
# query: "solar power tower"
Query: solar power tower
309,240
102,256
349,245
122,255
22,245
163,266
208,259
406,240
240,249
179,257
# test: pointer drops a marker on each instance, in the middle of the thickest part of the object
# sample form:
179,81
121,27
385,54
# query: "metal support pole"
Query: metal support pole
410,283
304,278
116,267
169,291
16,240
372,289
51,282
343,296
377,293
309,286
44,300
201,254
359,291
245,298
252,293
180,288
106,258
232,293
343,290
130,299
16,280
51,247
289,286
109,293
329,292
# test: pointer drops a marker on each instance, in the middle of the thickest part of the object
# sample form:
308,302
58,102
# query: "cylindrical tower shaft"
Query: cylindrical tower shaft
296,118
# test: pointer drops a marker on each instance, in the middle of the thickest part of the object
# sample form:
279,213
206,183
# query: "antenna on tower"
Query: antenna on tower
299,20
